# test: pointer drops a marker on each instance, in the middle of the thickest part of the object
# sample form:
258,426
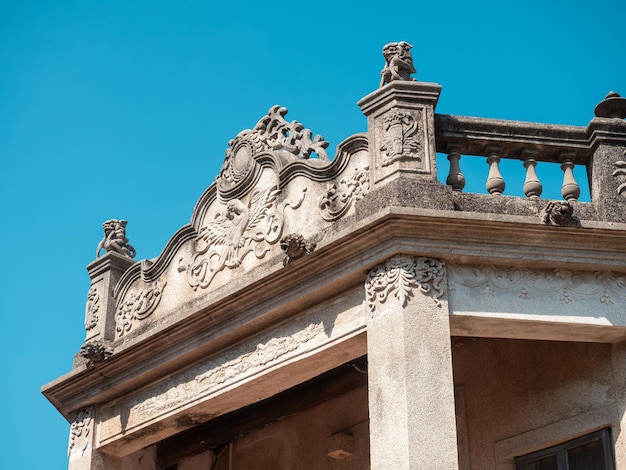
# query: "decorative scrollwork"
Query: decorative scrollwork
225,241
138,307
400,137
80,429
273,134
340,196
400,275
620,175
91,315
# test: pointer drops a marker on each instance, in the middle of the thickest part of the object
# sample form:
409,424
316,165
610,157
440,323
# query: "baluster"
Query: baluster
495,183
570,189
532,185
455,177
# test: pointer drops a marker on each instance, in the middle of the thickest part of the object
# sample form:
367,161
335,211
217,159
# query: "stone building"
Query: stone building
355,313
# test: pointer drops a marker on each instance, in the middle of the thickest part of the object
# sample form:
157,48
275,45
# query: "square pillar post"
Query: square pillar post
411,391
619,429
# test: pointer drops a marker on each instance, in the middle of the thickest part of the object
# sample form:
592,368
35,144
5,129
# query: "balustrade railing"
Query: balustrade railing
530,143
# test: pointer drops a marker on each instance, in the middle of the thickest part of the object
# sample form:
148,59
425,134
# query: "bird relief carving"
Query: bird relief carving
240,229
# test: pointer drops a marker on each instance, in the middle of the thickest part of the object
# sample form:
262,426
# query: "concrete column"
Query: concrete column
411,392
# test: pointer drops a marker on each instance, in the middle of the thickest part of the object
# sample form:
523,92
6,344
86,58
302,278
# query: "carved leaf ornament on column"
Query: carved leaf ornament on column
400,137
91,319
400,276
80,430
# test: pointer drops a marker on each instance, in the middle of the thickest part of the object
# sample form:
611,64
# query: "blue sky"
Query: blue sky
123,109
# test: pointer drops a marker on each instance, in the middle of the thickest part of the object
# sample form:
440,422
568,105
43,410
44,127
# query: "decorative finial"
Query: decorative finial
399,62
612,106
115,239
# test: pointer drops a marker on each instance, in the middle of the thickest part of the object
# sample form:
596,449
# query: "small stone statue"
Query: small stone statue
558,213
295,247
399,62
115,239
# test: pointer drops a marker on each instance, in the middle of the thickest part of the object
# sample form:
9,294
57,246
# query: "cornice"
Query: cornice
347,250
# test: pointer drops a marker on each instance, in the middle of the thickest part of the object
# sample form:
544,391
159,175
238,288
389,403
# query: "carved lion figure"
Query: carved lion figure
115,239
399,62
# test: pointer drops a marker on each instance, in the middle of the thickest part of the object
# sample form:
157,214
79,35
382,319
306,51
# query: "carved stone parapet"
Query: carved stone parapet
401,276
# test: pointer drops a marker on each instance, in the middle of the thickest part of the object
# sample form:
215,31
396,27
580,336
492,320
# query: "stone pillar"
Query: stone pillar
607,168
619,374
401,130
411,391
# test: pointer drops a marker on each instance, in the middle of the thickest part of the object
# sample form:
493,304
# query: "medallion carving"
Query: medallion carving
242,228
94,352
138,307
295,247
566,286
341,195
272,134
92,308
558,213
80,430
401,275
620,176
400,137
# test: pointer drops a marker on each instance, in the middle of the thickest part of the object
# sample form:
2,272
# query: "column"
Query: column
411,392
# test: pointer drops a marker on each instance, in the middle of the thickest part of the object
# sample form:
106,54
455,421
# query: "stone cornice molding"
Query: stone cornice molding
351,247
401,276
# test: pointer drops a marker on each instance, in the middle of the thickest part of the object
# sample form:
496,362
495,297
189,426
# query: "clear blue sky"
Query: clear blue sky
123,109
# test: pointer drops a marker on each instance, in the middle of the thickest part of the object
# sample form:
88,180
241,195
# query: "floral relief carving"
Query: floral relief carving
92,308
606,286
620,175
401,275
400,139
80,430
340,196
243,228
196,382
138,307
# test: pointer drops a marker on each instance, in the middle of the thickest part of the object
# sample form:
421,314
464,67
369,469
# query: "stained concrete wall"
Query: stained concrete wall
517,396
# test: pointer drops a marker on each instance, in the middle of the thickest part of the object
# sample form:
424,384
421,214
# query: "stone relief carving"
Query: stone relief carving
94,352
138,307
400,137
400,275
241,229
199,380
606,286
80,430
558,213
92,307
115,239
398,62
620,175
340,196
288,140
295,247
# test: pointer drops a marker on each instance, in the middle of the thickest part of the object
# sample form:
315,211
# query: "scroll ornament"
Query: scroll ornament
91,316
230,236
340,196
138,307
80,429
620,175
272,134
400,275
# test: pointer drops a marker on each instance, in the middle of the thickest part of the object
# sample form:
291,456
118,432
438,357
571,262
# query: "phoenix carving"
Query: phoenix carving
230,236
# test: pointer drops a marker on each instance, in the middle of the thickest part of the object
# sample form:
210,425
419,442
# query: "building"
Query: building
354,313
